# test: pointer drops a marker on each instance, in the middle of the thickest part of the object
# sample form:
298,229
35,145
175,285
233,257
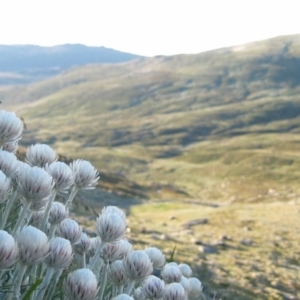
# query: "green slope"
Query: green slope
185,121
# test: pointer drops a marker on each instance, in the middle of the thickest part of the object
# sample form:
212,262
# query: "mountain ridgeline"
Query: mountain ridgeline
140,116
28,63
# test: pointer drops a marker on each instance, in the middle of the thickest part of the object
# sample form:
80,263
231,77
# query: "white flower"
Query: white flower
62,175
111,252
86,176
110,227
11,127
9,164
83,245
186,270
171,273
114,210
35,184
61,253
81,285
33,245
8,250
156,256
70,230
153,287
137,265
123,297
116,274
125,247
58,213
185,283
175,291
11,147
39,155
195,288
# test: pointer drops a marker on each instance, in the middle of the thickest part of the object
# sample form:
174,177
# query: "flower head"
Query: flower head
33,245
116,273
11,127
35,184
156,256
153,287
9,164
175,291
195,288
110,227
185,270
137,265
86,176
58,213
83,245
123,297
70,230
8,250
40,155
81,285
62,175
171,273
61,253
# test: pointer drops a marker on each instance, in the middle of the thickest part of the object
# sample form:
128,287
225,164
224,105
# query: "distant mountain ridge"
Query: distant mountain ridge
28,63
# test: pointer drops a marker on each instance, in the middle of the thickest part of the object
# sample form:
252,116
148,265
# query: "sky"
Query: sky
147,27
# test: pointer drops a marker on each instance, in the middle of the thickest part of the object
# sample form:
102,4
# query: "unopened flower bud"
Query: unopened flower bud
62,175
111,252
8,250
114,210
116,274
110,227
83,245
195,288
11,147
11,127
185,270
39,155
36,217
137,265
171,273
185,283
125,247
39,204
153,287
175,291
81,285
61,253
156,256
35,184
86,176
33,245
70,230
138,294
58,213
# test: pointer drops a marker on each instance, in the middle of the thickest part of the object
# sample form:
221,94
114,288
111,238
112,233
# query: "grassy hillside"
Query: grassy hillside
228,117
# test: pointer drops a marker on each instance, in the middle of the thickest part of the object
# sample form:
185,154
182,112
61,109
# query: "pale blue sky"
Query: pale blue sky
147,27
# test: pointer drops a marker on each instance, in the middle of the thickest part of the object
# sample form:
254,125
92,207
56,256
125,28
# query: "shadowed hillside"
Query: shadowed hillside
178,119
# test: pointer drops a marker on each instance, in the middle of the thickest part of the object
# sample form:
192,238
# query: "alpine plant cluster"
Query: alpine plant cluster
44,254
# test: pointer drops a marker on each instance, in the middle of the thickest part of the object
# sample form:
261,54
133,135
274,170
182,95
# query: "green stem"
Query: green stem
45,283
8,207
22,216
47,212
103,282
71,197
53,284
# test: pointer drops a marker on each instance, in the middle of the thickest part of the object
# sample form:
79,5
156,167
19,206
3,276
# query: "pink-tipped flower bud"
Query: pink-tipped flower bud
81,285
185,270
195,288
86,176
111,252
11,127
137,265
116,274
171,273
36,217
5,187
110,227
114,210
33,245
40,155
70,230
9,164
156,256
62,175
83,245
35,184
153,287
58,213
175,291
8,250
123,297
61,253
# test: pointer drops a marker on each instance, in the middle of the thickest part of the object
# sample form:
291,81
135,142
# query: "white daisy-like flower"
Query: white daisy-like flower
40,155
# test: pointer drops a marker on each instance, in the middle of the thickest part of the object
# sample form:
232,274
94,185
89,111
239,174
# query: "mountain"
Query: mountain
28,63
187,123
